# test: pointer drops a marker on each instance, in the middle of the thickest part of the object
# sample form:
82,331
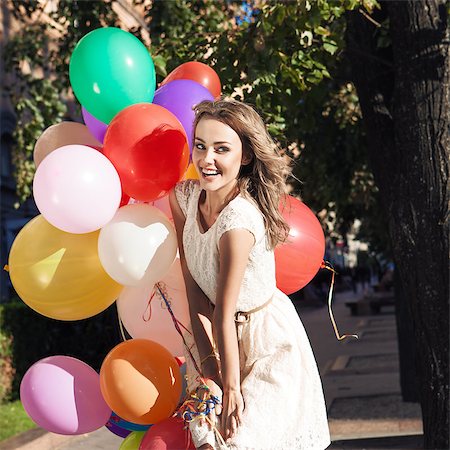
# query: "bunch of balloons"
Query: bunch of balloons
105,233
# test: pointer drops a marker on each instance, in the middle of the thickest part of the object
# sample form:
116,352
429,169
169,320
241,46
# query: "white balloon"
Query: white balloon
145,315
138,245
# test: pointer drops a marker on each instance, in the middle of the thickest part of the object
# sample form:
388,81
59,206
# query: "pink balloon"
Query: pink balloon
163,205
77,189
145,315
62,395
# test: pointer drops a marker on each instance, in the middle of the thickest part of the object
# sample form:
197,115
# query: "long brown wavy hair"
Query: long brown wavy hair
264,178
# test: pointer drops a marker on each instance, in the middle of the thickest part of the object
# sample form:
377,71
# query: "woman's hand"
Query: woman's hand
232,408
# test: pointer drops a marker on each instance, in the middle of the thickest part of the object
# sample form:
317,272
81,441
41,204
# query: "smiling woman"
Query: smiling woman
249,348
217,156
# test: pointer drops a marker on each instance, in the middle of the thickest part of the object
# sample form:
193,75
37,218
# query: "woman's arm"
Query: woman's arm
199,305
234,249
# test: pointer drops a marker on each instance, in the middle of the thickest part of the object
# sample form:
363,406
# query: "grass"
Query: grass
13,419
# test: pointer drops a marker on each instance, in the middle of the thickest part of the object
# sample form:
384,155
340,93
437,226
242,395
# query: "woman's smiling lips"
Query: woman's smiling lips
209,173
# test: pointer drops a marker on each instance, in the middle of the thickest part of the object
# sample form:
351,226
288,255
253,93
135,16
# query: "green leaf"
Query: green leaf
330,47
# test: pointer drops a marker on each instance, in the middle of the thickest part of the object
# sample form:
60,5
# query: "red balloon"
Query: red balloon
169,434
148,147
96,147
199,72
299,259
124,200
180,360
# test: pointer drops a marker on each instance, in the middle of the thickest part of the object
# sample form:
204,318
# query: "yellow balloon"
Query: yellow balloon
59,274
191,173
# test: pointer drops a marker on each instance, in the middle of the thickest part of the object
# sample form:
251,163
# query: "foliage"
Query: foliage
286,58
6,367
32,337
13,420
37,59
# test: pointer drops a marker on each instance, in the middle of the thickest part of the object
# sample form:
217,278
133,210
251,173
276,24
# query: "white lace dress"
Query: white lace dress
282,391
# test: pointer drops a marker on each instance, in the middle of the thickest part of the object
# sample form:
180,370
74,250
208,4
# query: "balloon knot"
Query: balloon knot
6,267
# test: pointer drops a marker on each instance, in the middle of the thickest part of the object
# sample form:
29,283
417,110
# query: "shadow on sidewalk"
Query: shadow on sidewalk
395,442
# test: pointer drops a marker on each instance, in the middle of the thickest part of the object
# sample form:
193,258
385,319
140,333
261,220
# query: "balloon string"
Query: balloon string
328,266
163,288
182,326
177,327
189,411
148,308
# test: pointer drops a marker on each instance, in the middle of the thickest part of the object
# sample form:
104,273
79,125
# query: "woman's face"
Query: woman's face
217,155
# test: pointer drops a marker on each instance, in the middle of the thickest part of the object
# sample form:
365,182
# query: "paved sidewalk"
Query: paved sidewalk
360,380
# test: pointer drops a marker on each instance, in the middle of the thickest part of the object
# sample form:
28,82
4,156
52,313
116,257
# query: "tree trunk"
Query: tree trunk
404,95
406,343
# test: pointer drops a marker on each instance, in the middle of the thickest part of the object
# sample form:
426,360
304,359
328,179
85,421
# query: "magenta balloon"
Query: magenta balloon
179,97
95,126
62,395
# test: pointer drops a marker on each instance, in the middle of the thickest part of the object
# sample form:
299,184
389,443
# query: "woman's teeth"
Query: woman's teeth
210,172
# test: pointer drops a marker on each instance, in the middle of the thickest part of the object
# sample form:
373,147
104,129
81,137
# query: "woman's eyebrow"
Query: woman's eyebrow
215,143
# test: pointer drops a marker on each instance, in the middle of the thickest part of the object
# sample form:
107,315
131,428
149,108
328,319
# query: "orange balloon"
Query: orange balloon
199,72
299,259
141,381
191,173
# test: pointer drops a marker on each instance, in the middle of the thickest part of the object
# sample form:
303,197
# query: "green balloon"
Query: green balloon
109,70
132,441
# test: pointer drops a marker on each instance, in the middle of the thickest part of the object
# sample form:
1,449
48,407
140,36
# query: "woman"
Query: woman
227,225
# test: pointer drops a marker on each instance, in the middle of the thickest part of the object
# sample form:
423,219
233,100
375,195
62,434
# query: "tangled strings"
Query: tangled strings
199,404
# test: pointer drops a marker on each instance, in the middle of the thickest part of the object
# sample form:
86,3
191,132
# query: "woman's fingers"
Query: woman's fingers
233,427
239,418
230,427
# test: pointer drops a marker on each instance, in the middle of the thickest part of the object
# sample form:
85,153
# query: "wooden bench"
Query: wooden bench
371,304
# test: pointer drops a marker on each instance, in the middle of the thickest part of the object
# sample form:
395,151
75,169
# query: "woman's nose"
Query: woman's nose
209,156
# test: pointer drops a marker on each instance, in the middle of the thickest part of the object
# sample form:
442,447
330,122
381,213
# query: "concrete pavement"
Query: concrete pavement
360,380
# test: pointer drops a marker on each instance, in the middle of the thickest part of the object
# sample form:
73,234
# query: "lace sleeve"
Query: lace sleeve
183,191
241,214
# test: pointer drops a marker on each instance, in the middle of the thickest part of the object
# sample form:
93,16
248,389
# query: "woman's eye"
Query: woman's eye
200,146
222,149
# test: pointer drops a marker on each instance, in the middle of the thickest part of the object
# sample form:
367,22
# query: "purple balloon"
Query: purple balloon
97,128
179,97
119,431
62,395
